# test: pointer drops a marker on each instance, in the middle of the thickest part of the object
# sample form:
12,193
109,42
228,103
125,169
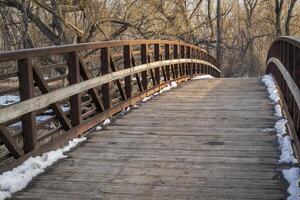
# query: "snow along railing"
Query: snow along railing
66,90
283,63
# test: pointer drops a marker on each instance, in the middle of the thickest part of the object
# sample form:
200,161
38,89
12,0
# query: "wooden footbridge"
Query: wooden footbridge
205,139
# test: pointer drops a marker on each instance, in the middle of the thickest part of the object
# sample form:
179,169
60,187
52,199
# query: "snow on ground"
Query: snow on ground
287,155
292,176
203,77
18,178
284,141
106,122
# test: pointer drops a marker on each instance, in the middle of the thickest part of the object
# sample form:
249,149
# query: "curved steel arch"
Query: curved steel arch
283,62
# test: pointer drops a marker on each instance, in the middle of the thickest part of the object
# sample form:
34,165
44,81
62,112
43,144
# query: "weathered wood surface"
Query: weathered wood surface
202,140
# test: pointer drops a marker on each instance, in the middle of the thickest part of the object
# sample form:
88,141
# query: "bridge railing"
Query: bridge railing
50,95
283,63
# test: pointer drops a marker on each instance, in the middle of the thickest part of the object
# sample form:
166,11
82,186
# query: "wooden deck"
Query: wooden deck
202,140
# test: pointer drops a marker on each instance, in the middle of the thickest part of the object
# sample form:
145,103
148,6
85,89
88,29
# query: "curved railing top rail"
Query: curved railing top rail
287,50
283,62
64,91
43,51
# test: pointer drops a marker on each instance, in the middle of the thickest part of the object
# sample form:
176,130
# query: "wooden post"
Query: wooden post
167,57
157,58
127,64
143,61
105,63
26,88
74,77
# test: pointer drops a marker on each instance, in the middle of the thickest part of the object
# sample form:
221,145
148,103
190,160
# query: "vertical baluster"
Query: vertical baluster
297,66
127,64
144,55
105,69
175,56
167,57
183,65
188,66
74,77
26,88
157,58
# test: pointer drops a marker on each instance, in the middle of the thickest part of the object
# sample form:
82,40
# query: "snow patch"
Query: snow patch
271,87
98,128
278,110
106,122
203,77
18,178
292,176
268,129
284,141
8,99
147,98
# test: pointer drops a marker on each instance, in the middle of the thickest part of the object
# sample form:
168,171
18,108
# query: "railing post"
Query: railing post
175,55
193,64
167,57
127,64
105,63
26,88
144,55
297,66
188,55
183,66
157,58
74,77
198,65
